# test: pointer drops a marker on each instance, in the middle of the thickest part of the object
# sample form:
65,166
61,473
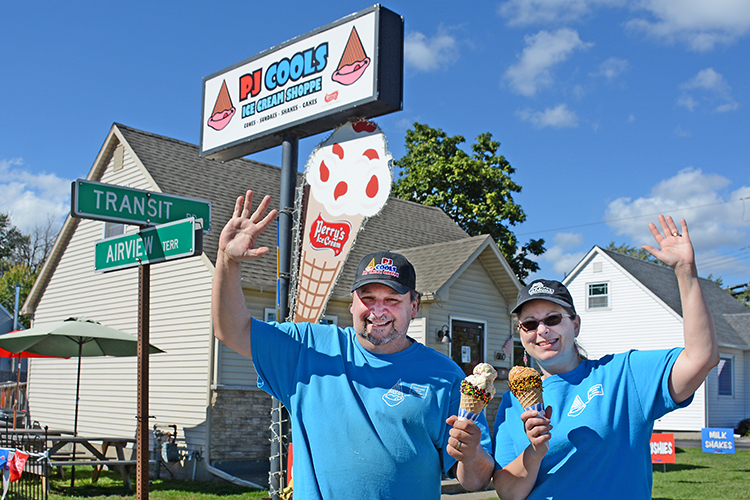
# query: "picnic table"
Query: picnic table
62,447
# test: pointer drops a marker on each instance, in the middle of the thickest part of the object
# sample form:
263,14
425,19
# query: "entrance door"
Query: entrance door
467,344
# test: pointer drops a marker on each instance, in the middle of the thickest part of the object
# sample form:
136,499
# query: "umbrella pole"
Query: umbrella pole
18,390
75,420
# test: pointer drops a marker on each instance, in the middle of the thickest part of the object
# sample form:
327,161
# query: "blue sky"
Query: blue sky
611,111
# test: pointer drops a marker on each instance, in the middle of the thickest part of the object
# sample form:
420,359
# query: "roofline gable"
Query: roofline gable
488,249
114,137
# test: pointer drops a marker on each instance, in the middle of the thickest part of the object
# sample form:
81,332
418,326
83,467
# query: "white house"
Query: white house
627,303
204,388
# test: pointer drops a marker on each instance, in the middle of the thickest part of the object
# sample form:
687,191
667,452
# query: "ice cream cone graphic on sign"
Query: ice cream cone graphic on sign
350,179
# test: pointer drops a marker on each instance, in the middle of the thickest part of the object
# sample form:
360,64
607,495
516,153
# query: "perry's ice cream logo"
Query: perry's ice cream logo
400,391
333,235
223,109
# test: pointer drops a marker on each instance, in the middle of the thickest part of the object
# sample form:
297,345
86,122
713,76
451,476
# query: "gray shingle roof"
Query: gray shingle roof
178,169
731,317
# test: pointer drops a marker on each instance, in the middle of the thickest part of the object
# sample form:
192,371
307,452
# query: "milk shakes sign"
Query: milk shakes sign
310,84
717,440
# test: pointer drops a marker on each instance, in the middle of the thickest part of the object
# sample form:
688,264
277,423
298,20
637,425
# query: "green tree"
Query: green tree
475,190
21,257
20,274
12,244
636,252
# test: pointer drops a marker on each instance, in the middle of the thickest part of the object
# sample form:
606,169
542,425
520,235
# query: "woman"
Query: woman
603,410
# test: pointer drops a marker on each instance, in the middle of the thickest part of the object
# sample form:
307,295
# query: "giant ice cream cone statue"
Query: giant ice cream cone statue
350,179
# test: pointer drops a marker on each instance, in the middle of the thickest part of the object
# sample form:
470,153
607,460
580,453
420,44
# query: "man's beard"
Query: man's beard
392,335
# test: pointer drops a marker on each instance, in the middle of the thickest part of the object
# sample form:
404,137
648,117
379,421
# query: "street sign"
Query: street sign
175,240
111,203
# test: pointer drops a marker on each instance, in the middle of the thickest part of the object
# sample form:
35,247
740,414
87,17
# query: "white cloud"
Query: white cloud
543,50
429,54
699,24
612,68
712,87
680,132
526,12
558,117
31,199
715,221
558,258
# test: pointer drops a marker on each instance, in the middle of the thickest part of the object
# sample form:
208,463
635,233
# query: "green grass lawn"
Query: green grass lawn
695,475
109,486
703,475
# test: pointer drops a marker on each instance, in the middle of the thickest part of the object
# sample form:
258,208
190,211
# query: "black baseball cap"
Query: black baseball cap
386,268
550,290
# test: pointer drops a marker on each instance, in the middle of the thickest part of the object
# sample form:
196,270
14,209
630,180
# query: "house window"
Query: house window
328,319
269,314
113,229
598,296
518,352
725,377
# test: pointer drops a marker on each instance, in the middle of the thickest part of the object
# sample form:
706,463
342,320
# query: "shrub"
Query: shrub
743,428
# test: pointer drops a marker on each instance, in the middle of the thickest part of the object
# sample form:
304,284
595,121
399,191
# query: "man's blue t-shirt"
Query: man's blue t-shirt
603,414
364,425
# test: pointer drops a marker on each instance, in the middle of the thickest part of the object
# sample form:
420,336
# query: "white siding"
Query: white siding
727,411
179,324
634,320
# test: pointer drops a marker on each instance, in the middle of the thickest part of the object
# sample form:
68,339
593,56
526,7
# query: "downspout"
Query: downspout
209,413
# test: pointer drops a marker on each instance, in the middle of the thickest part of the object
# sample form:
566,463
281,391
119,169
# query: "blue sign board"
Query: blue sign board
717,440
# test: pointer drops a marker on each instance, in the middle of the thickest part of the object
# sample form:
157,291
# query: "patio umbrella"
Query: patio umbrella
74,337
19,356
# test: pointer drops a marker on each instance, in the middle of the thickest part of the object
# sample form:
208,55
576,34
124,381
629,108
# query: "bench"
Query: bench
122,466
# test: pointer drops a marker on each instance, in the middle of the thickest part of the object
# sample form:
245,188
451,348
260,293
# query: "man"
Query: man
368,404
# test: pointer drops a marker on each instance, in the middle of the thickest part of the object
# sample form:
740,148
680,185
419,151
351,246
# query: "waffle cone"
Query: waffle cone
353,52
320,267
223,101
471,404
531,397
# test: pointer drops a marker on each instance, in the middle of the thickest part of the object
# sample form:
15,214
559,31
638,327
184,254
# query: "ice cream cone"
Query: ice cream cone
329,239
477,390
471,404
526,385
532,399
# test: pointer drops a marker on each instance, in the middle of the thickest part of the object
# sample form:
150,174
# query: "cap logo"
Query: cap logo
385,267
540,288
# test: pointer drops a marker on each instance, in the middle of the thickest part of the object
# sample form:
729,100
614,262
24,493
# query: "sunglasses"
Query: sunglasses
551,320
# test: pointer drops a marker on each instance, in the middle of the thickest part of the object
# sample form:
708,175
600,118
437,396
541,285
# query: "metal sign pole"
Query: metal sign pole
142,457
279,429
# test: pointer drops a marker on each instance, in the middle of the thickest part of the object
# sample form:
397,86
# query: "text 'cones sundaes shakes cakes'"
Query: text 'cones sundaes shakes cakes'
526,385
349,176
477,390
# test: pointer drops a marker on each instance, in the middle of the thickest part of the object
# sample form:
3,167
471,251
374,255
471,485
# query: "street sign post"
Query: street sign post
175,240
111,203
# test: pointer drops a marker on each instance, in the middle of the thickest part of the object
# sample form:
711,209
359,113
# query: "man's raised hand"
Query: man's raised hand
237,240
